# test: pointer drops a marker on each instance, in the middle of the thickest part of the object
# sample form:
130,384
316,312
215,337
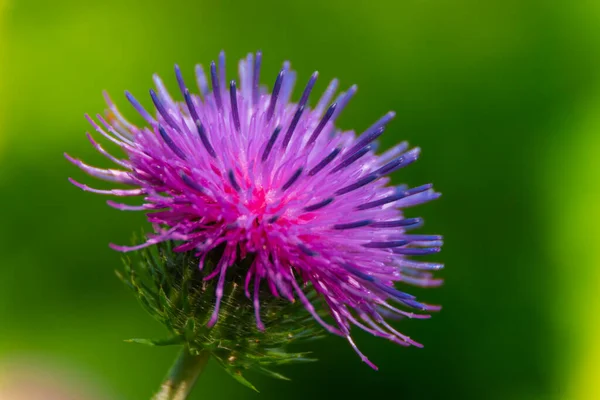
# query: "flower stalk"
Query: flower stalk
183,375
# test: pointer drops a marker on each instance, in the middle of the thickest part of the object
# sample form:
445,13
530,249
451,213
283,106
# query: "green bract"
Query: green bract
172,289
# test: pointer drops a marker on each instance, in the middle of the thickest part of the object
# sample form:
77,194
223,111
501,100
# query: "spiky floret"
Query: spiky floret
172,289
249,170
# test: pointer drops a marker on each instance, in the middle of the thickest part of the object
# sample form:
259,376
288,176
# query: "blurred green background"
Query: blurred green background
502,96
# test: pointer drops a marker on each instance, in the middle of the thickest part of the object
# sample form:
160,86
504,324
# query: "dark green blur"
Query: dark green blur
494,92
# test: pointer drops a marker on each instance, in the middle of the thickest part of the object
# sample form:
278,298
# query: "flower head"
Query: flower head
239,171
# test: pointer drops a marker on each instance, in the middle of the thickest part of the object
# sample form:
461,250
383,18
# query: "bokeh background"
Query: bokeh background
501,95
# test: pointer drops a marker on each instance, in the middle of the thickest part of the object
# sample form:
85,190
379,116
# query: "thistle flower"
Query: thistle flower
239,171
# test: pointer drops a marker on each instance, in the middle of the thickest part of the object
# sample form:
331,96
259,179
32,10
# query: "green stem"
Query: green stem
183,375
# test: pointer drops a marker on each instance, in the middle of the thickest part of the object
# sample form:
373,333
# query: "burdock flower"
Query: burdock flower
241,173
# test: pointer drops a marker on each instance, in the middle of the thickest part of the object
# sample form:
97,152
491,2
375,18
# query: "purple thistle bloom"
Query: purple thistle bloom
247,171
